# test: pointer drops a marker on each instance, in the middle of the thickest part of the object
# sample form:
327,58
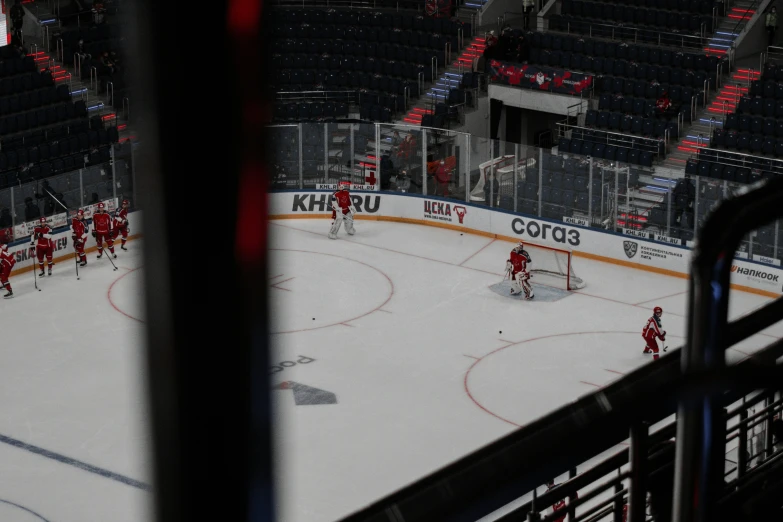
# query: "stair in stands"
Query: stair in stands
730,27
96,104
450,78
723,103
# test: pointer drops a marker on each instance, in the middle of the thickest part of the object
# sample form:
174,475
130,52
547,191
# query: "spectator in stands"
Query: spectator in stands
81,50
442,177
506,44
491,190
527,9
492,41
523,49
771,23
31,210
407,151
5,218
17,19
684,194
107,63
98,13
663,104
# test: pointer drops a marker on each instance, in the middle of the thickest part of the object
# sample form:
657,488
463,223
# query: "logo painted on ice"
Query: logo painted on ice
630,248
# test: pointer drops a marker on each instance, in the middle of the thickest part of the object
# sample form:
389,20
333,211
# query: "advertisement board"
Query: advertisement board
629,250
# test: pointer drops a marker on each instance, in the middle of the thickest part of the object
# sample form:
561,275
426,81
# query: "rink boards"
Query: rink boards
607,246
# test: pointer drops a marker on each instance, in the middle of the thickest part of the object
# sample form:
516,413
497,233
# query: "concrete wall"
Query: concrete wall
753,39
477,121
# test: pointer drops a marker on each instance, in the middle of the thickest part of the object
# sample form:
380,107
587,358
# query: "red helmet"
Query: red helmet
125,202
658,310
3,246
43,220
80,213
344,185
100,206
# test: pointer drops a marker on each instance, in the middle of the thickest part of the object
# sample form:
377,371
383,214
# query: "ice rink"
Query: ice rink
73,424
407,359
394,357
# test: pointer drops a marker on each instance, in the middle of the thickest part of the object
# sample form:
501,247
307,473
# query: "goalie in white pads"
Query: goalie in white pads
342,210
517,271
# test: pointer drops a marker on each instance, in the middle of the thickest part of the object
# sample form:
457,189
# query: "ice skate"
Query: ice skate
100,255
9,295
123,248
42,273
50,271
83,263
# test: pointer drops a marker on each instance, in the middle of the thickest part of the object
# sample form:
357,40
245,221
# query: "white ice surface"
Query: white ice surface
71,383
405,330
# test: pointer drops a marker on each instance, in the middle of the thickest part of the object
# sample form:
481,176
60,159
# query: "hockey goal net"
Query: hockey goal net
553,267
503,168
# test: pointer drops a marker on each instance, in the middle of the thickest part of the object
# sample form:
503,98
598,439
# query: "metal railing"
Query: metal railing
662,38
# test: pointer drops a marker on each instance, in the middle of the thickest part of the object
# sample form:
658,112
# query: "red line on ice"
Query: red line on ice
391,289
112,303
589,383
476,252
660,298
614,371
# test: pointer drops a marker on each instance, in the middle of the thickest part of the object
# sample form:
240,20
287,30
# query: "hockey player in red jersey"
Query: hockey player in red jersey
79,231
41,240
342,210
101,230
120,224
517,270
652,331
7,262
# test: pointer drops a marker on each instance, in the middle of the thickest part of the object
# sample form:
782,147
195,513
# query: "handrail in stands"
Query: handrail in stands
694,42
700,433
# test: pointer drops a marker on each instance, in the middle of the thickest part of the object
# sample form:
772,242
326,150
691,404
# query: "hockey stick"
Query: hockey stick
35,269
76,259
108,256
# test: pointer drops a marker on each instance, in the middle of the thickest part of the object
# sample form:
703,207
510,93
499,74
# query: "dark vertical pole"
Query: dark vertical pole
770,418
701,438
637,496
618,502
742,450
571,498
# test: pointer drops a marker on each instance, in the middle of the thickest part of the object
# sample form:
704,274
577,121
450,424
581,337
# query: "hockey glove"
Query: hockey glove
94,234
353,210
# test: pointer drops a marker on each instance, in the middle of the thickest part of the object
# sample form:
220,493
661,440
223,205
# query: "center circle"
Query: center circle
312,290
504,384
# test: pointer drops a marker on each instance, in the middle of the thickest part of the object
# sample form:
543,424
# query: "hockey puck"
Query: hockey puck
461,234
501,331
313,318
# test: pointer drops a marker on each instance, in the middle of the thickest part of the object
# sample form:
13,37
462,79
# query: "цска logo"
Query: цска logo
630,248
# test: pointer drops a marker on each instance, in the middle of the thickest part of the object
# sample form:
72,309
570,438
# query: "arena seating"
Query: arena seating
382,55
42,131
756,126
629,80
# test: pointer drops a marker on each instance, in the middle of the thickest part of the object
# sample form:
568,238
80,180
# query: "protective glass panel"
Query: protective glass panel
284,156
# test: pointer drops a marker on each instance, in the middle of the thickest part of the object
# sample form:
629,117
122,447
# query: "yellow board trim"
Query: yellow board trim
66,257
510,239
